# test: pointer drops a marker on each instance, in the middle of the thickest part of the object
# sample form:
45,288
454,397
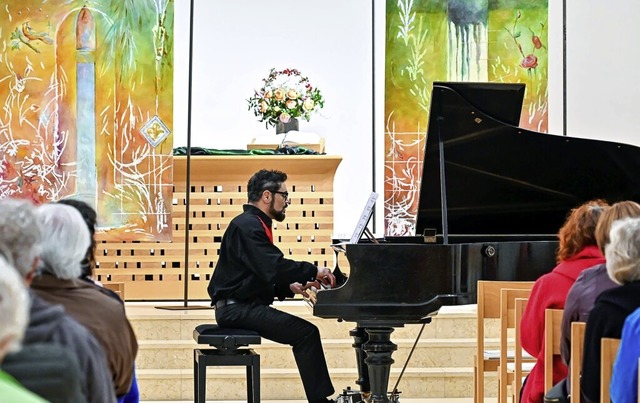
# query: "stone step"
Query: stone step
285,384
429,353
157,324
441,365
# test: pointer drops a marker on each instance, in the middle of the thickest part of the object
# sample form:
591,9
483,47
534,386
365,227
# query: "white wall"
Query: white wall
330,41
603,84
235,45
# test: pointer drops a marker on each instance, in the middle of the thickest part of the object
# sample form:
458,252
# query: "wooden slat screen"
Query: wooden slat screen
155,270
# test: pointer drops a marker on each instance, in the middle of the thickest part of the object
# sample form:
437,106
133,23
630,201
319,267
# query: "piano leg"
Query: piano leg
360,337
379,349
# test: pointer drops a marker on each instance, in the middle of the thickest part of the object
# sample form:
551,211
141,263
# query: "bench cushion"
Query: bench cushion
217,336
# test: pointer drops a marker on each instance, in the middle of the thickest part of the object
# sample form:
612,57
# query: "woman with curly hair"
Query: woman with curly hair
577,251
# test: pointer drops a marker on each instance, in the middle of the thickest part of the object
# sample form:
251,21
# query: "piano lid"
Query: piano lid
500,179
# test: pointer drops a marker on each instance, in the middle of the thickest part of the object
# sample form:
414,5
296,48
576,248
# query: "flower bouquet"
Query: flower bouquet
285,95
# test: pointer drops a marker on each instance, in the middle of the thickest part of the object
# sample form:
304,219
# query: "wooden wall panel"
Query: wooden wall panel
155,270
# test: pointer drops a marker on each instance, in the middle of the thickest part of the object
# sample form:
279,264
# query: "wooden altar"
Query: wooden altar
155,270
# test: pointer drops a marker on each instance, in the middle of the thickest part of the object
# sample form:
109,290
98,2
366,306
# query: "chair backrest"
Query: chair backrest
577,352
508,297
489,308
489,302
118,288
608,351
552,337
520,305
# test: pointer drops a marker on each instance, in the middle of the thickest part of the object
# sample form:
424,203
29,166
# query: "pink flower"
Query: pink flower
293,94
529,62
285,117
268,94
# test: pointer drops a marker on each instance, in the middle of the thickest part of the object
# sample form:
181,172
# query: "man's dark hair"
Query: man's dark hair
264,180
91,219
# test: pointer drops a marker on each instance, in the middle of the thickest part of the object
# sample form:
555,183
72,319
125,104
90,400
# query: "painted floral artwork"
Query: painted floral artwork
87,109
452,40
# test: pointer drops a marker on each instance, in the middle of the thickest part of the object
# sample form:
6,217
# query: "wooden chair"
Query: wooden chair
506,368
577,352
488,308
552,337
608,352
521,365
118,288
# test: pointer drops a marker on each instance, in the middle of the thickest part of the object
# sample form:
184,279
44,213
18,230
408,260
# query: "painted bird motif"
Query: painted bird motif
32,35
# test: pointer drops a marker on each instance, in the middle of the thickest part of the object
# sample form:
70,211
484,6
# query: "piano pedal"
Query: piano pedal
394,397
349,395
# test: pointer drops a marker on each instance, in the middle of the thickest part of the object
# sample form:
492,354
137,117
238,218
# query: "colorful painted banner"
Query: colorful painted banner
452,40
87,109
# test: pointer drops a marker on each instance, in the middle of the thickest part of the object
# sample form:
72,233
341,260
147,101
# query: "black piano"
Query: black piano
492,198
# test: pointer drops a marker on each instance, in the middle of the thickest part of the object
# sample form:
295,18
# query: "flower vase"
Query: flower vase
292,124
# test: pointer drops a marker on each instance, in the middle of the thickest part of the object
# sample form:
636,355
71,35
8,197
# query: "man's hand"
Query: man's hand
308,290
326,277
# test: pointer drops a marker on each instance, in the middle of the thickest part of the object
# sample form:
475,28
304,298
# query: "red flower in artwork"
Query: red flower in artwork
537,43
529,62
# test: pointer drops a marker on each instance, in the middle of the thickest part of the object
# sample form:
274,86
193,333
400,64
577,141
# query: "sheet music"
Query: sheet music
364,218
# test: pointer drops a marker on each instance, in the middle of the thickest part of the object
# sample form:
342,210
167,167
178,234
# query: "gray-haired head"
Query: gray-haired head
20,234
65,239
623,251
14,308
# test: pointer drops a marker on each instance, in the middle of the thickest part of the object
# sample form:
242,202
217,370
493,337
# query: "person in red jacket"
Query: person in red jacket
577,251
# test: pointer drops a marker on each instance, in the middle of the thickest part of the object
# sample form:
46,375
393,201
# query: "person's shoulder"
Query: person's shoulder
100,295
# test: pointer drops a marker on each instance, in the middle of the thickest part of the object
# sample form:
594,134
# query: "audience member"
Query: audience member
88,265
91,219
14,310
613,305
624,386
576,252
58,282
20,236
591,282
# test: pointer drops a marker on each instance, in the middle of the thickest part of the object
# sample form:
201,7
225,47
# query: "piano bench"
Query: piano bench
228,351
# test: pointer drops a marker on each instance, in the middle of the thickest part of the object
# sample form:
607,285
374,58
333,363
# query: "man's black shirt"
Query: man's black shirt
250,267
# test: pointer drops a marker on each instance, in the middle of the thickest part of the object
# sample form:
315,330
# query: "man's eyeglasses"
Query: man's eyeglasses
284,194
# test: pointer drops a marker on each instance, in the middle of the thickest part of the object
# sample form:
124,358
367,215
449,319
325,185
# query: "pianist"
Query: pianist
252,271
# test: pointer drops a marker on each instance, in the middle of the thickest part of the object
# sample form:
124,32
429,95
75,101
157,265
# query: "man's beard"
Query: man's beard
277,215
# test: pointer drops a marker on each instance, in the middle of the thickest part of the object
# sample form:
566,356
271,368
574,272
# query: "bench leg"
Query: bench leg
195,376
201,377
253,379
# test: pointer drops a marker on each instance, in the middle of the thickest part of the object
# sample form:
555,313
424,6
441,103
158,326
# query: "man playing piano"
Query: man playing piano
252,271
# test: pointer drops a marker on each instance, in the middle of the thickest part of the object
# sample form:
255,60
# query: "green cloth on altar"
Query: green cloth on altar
284,150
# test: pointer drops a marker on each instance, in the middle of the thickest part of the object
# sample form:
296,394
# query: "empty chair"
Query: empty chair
508,322
489,308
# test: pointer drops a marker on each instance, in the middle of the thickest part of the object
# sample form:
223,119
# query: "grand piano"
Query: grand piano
492,198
